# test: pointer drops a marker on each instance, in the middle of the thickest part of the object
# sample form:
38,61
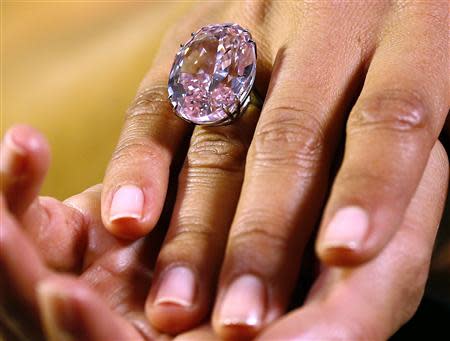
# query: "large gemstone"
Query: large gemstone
213,74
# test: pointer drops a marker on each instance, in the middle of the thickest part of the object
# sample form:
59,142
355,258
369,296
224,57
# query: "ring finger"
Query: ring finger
286,176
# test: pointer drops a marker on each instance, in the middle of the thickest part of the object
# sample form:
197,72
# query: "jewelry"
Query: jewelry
213,74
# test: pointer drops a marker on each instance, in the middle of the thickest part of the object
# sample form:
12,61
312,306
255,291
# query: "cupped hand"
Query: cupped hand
370,76
58,264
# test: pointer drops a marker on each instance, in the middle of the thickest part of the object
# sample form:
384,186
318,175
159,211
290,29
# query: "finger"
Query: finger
285,181
390,133
24,163
137,177
25,158
136,180
58,232
72,311
393,283
74,225
96,240
208,191
20,264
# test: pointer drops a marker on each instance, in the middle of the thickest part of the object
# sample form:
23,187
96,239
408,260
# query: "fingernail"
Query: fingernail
11,156
347,229
177,287
57,313
127,202
244,302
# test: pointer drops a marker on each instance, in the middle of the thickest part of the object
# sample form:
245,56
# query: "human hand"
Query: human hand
69,236
372,301
320,57
59,264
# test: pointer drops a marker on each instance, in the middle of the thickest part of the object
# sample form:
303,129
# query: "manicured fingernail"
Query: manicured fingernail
11,156
177,287
243,303
127,202
57,313
347,229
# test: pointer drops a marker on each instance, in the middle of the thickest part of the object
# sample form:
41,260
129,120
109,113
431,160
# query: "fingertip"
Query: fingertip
342,240
341,256
170,318
236,332
240,312
173,303
24,163
27,137
26,140
128,212
126,228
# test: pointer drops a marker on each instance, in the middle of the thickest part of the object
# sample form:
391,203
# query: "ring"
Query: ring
212,76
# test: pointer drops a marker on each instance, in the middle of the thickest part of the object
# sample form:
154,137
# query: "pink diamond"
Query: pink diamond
213,74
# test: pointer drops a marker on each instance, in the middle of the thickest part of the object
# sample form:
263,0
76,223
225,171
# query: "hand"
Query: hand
260,191
71,308
58,262
372,301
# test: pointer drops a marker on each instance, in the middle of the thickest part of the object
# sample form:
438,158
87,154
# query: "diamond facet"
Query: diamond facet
213,74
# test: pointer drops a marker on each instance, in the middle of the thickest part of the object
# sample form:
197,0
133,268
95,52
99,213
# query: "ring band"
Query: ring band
212,76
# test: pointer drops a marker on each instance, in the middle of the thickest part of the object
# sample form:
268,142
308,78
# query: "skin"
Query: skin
376,71
100,295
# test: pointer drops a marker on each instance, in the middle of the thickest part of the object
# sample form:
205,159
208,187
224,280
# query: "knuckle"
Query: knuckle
400,111
190,241
259,248
215,149
137,143
248,230
292,137
148,103
192,232
134,149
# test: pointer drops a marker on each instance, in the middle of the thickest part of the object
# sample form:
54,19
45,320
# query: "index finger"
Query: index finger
137,177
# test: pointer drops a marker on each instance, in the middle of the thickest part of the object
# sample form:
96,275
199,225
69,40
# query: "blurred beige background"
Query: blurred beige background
70,69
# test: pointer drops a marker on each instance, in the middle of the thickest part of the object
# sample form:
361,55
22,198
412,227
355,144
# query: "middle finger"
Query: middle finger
209,187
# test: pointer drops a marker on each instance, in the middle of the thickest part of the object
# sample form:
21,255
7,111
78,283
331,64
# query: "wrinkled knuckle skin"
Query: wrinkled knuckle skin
292,138
136,144
192,240
149,102
254,227
134,150
258,236
399,111
217,150
257,246
192,231
147,110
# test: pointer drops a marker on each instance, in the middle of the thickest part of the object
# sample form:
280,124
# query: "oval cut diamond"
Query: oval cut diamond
213,74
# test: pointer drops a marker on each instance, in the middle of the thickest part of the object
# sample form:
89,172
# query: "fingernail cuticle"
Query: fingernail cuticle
127,202
177,287
347,229
244,302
